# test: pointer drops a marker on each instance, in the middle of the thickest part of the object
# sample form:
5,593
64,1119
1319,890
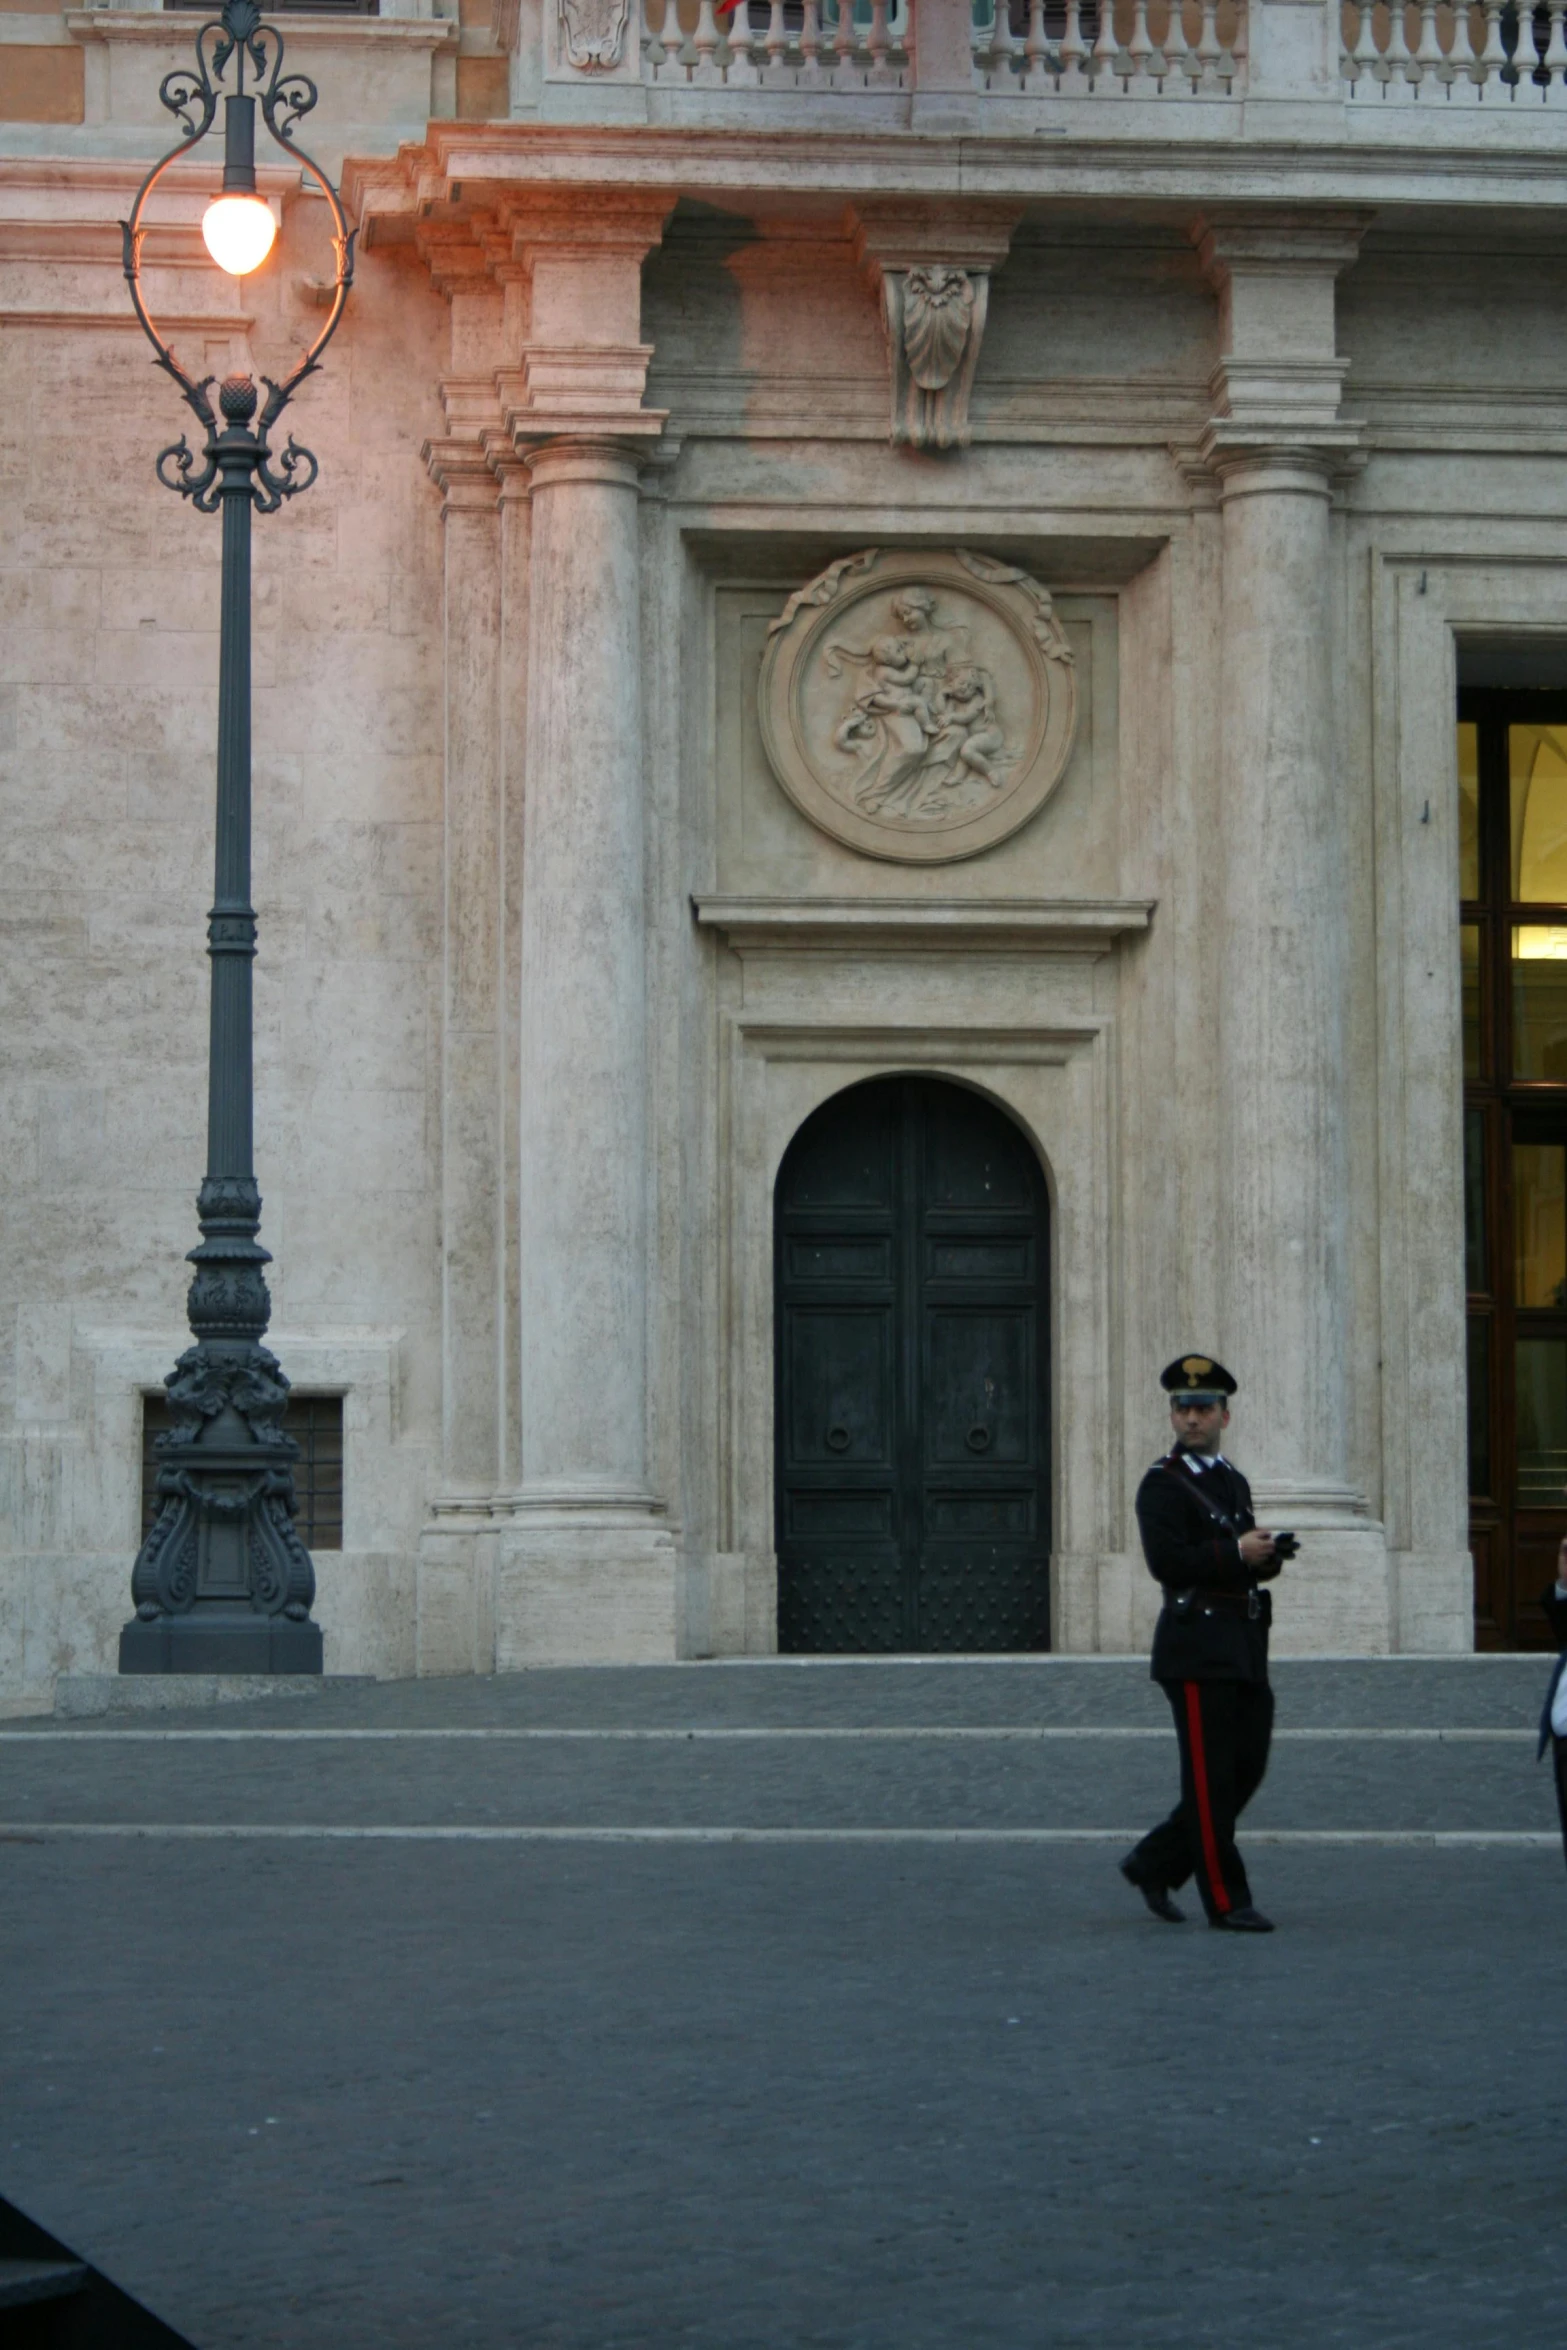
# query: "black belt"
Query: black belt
1248,1603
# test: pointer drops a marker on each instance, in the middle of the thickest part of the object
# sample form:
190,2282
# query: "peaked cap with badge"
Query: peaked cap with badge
1197,1379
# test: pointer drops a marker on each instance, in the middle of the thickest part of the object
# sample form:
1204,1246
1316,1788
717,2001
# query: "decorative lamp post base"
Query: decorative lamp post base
220,1640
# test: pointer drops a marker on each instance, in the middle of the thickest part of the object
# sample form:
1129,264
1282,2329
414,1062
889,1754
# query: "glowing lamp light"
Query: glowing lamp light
238,232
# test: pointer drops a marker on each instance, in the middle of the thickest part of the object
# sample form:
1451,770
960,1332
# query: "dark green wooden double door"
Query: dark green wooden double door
913,1473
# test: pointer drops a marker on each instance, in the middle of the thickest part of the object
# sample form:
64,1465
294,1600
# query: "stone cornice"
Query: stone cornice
1071,926
55,213
157,28
775,170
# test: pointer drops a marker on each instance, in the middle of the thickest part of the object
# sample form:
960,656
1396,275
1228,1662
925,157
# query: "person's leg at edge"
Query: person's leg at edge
1254,1736
1207,1722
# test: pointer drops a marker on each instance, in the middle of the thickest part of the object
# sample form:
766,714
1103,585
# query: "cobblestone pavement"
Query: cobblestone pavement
905,2092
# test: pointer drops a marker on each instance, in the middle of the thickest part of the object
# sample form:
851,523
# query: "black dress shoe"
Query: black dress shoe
1243,1921
1156,1896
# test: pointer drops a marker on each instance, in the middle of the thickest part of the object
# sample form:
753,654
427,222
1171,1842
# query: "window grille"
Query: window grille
315,1422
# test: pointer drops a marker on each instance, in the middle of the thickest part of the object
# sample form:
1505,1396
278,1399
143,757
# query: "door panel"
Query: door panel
913,1464
840,1387
979,1405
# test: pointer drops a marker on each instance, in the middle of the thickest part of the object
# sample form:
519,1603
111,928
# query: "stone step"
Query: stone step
1474,1692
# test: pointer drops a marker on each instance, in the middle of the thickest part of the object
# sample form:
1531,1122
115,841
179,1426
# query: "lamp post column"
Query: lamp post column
223,1583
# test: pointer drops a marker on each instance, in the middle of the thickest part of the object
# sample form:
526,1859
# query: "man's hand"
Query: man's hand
1257,1547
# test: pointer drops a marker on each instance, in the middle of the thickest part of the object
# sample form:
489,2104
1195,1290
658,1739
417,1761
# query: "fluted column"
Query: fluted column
1281,837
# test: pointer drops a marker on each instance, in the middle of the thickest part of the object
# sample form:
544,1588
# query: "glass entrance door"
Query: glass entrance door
1512,771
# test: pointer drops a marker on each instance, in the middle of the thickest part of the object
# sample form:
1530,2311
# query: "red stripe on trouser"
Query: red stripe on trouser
1210,1842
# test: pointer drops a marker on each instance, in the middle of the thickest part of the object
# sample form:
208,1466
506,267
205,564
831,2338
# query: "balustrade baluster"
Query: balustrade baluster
1036,54
1555,59
1429,58
671,66
1208,51
877,40
1493,57
1074,50
705,42
1002,44
843,41
1401,66
1526,57
811,41
740,71
1139,49
1366,56
777,42
1461,57
1107,50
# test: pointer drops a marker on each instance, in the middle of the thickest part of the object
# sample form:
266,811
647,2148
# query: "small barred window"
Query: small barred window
315,1422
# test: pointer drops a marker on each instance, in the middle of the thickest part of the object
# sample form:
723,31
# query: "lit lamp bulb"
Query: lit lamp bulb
238,232
237,226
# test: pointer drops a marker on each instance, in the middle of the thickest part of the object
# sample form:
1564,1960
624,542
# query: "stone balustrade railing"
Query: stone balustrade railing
814,46
1104,48
1116,49
1433,53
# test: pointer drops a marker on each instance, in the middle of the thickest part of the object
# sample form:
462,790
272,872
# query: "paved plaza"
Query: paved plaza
768,2006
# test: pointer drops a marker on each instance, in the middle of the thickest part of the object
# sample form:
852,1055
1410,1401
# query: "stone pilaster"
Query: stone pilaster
585,1562
454,1632
546,1540
1276,442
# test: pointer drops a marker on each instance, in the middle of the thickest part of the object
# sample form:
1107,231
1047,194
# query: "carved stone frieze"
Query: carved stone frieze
918,707
593,33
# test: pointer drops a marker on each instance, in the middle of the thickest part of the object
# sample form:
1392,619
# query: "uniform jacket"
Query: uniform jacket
1556,1617
1214,1622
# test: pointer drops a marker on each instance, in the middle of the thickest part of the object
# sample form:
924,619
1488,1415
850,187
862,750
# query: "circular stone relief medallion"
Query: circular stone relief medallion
919,707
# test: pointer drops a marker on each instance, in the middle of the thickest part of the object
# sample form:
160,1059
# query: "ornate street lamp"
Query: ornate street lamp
223,1583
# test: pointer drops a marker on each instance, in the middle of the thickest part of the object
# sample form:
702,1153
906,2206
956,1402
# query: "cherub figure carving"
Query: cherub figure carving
925,725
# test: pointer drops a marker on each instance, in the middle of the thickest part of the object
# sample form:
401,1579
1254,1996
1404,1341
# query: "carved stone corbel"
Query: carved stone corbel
931,267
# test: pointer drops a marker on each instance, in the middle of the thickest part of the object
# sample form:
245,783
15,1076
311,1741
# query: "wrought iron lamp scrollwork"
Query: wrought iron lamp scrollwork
223,1582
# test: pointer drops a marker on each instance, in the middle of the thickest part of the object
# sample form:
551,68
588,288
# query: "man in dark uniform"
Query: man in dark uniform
1210,1651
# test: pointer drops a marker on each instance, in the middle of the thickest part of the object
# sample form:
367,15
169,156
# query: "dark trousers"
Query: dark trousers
1224,1728
1559,1757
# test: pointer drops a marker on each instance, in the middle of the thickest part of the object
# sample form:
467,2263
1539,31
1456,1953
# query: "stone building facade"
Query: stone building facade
898,545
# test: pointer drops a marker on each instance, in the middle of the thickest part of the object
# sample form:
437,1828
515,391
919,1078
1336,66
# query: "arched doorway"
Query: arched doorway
911,1269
